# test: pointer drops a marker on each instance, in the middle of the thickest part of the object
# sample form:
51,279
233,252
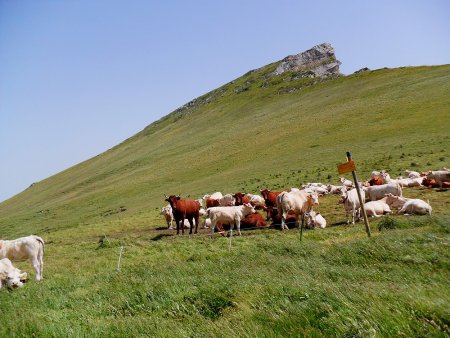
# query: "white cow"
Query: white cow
167,212
227,200
30,247
315,219
351,203
229,215
334,189
377,208
410,182
412,174
256,200
377,192
215,196
409,206
347,183
11,276
295,202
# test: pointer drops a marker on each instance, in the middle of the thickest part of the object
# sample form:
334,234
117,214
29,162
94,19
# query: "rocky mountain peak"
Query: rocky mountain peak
319,61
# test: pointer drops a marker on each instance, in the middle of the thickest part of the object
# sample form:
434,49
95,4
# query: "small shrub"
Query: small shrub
388,223
414,164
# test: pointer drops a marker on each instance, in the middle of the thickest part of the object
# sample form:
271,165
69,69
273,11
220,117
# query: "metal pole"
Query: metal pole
361,202
120,256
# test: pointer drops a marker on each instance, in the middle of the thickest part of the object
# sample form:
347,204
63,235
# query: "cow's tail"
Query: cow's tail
41,242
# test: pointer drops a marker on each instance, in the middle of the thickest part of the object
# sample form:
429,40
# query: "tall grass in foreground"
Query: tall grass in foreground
337,282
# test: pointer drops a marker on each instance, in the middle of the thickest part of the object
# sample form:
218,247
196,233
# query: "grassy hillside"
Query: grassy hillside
257,131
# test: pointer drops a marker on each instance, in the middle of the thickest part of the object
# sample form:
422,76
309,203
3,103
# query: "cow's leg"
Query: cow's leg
182,224
41,261
177,221
238,226
35,262
283,221
196,218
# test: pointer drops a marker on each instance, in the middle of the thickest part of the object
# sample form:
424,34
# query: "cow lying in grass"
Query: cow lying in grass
10,276
409,206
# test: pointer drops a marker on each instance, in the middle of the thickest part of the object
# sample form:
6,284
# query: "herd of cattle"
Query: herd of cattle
284,208
287,208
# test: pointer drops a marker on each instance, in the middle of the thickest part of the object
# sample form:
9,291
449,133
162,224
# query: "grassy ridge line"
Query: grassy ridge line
243,141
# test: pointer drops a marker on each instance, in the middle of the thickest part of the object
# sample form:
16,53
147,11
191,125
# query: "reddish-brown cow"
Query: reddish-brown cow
211,202
241,198
250,221
291,219
271,201
184,209
376,180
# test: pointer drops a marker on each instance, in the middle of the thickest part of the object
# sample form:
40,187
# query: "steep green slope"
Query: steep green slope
254,132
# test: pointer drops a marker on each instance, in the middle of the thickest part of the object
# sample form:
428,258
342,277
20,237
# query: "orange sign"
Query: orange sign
346,167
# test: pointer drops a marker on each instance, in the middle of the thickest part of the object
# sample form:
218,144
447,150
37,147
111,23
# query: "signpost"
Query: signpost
345,168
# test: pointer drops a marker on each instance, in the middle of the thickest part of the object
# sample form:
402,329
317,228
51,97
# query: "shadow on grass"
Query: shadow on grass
160,236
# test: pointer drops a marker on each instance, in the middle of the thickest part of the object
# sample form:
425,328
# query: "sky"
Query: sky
79,77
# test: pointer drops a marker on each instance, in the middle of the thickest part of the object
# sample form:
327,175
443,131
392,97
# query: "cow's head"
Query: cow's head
248,209
392,200
238,198
13,278
265,193
172,199
313,199
344,195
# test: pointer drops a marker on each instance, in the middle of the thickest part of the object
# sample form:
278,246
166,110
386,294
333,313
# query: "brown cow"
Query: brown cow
291,219
271,201
376,180
184,209
211,202
250,221
241,198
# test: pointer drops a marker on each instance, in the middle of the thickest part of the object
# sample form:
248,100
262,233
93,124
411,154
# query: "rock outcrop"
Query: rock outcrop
319,61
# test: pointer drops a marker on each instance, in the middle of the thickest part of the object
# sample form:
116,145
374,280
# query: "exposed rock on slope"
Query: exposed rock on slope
319,61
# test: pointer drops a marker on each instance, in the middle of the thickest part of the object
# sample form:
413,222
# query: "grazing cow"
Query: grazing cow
377,208
10,276
229,215
241,198
409,206
30,247
295,202
377,192
440,176
315,220
376,180
351,203
184,209
168,216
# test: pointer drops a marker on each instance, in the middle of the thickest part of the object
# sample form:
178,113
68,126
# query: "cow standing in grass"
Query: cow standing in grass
184,209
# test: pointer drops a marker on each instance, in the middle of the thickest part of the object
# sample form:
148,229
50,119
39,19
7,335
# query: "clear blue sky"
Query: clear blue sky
78,77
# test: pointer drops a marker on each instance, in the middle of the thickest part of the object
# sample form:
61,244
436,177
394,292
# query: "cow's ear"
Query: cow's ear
2,276
23,276
178,197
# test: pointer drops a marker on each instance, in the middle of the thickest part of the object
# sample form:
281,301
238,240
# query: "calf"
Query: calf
11,276
409,206
229,215
168,216
351,203
377,208
30,247
315,220
184,209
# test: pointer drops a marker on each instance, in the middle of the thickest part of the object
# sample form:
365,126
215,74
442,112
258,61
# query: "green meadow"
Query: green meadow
253,133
